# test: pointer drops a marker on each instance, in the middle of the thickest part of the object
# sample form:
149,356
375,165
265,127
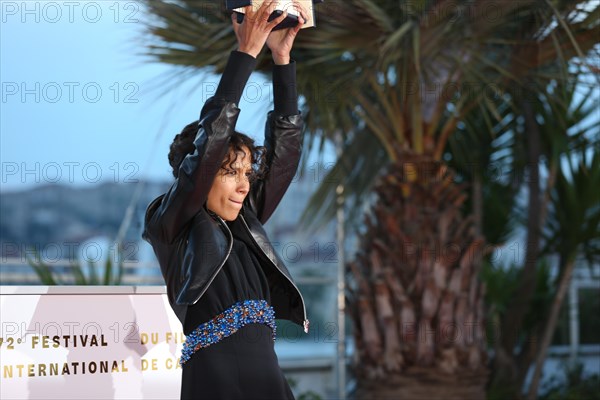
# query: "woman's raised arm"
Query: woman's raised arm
167,216
284,127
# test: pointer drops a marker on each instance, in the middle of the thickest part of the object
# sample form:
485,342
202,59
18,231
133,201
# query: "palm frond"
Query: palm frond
358,68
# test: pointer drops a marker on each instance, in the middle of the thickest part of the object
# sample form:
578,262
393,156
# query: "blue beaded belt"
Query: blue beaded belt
226,324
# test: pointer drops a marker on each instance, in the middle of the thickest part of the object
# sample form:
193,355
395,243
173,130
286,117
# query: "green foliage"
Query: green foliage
502,283
484,148
308,395
573,225
113,273
541,300
576,387
501,392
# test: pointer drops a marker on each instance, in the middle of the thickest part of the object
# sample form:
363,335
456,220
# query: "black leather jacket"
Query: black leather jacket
192,244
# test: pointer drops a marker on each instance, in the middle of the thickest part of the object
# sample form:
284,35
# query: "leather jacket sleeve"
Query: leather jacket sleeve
283,142
218,118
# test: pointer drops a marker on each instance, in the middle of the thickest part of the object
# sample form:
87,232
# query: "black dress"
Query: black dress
243,365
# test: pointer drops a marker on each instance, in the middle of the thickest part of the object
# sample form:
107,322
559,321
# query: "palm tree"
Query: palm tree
569,131
566,124
393,80
572,232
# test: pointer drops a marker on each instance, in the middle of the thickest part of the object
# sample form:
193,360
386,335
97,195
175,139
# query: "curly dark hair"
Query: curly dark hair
183,144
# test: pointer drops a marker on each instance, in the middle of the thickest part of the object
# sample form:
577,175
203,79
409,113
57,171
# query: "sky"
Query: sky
79,101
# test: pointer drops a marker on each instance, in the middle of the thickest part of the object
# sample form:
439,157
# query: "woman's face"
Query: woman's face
231,186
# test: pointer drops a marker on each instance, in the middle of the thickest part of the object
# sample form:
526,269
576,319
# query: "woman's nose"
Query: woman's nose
243,185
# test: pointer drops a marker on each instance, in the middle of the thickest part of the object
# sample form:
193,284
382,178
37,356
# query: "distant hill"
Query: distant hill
66,216
61,215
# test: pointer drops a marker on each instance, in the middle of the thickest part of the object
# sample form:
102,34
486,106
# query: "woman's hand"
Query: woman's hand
281,41
252,33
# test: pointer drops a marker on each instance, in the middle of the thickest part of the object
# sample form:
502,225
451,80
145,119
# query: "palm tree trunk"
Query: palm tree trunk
550,182
415,297
550,328
418,383
478,203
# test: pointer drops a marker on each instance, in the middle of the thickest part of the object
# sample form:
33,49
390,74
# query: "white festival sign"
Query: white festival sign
75,342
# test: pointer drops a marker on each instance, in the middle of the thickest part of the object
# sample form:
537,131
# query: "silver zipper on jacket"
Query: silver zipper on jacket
306,322
212,278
